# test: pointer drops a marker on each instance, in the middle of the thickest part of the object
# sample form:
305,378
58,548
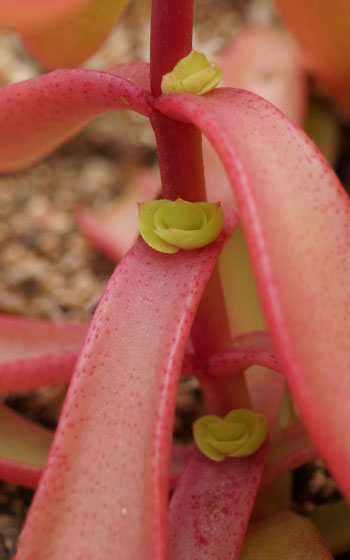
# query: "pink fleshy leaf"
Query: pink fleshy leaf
322,27
110,457
290,449
135,72
36,352
296,218
114,230
263,60
178,458
211,506
39,114
248,350
24,446
68,40
266,61
29,13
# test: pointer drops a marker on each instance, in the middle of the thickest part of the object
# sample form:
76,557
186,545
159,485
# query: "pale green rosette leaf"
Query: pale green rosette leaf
168,226
192,74
239,434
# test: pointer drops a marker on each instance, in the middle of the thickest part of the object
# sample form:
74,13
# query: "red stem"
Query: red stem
171,37
180,158
179,145
182,173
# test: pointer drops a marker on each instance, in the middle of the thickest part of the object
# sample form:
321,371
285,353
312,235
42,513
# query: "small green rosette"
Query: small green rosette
192,74
168,226
239,434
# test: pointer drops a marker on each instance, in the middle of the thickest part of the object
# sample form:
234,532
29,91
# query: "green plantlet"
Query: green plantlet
239,434
192,74
168,226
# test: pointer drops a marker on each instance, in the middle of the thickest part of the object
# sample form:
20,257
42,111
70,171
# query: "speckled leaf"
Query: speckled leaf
110,457
296,218
212,503
39,114
266,61
247,350
24,447
322,27
67,41
36,352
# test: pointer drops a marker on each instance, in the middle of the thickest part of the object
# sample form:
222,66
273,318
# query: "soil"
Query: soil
49,270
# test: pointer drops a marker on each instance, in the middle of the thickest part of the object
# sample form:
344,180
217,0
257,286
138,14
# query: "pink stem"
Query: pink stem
179,145
180,158
171,37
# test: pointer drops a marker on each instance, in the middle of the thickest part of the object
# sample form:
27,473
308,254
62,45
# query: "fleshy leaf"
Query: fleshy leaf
322,28
30,13
39,114
247,350
289,449
178,458
69,40
37,352
24,446
266,61
212,502
284,535
114,229
296,218
110,457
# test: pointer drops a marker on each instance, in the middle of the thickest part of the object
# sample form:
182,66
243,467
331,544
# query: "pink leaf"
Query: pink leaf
296,218
290,449
178,458
36,352
104,490
29,13
68,40
39,114
322,27
266,61
24,447
114,230
135,72
211,506
248,350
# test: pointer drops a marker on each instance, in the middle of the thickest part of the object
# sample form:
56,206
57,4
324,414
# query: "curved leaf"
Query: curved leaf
36,352
114,230
322,27
39,114
248,350
290,449
67,41
266,61
24,447
296,218
212,502
30,13
110,457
